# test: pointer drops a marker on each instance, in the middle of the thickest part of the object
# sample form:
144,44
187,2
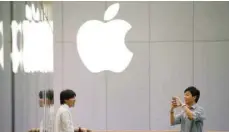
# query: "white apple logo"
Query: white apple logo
101,46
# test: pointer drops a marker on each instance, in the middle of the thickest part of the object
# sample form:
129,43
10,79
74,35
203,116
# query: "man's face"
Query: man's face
71,102
189,99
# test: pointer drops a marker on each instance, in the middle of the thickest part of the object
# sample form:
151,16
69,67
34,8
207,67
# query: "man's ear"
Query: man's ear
194,97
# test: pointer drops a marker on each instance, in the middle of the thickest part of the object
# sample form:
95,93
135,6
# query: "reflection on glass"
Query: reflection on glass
31,53
16,56
31,13
46,102
37,52
1,46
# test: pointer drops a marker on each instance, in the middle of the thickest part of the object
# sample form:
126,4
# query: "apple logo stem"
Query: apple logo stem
101,46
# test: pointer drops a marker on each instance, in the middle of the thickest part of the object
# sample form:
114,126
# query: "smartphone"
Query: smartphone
176,100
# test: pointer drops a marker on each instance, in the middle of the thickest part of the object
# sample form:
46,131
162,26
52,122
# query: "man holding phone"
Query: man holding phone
192,116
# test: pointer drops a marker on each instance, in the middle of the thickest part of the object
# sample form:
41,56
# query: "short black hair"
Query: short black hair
194,91
66,95
46,94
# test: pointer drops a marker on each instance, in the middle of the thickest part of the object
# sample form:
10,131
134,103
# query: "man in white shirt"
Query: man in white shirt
63,120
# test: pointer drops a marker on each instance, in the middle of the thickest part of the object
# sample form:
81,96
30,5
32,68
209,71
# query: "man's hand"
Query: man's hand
83,129
178,101
174,103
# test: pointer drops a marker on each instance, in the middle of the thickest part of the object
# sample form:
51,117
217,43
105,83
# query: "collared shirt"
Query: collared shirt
47,123
63,120
195,125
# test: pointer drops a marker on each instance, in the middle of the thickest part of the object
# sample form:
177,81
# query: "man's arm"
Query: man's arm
196,115
174,120
66,122
172,117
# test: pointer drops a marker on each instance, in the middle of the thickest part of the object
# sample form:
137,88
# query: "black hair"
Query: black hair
46,94
194,91
66,95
